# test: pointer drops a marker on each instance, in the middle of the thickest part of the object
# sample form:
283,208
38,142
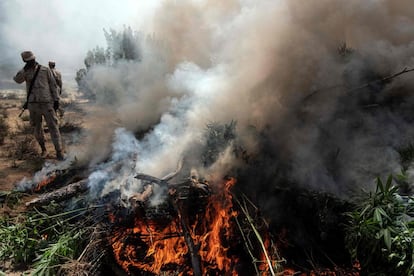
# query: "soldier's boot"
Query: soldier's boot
59,155
44,150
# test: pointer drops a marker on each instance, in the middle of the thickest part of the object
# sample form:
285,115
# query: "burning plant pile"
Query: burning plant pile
193,233
321,111
199,227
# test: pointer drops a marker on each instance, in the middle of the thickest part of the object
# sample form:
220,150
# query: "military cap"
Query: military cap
27,55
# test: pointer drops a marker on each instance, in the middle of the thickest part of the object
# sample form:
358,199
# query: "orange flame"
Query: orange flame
159,250
46,181
264,265
151,248
216,226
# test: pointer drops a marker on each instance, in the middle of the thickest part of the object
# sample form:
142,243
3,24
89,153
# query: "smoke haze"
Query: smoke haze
63,30
257,62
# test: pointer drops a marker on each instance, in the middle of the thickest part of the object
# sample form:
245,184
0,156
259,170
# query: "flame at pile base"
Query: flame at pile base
159,246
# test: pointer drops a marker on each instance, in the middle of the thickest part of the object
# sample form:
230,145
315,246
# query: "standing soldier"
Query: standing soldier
57,75
42,101
58,78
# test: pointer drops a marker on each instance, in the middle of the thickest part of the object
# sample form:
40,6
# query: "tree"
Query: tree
121,46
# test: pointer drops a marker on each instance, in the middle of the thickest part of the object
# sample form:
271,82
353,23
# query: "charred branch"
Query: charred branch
60,194
190,183
383,80
194,255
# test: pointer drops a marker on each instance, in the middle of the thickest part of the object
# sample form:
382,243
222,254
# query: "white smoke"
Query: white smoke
45,173
64,31
256,62
119,169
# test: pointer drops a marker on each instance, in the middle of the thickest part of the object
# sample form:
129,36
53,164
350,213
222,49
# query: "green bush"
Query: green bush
18,240
42,240
66,247
380,232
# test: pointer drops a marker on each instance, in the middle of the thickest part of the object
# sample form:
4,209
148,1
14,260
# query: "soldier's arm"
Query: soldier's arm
52,85
19,78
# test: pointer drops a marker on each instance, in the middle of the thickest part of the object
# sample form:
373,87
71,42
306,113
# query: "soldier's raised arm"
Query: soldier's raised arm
19,78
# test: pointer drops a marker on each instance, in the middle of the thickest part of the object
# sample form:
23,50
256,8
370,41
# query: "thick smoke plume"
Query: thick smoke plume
284,70
257,63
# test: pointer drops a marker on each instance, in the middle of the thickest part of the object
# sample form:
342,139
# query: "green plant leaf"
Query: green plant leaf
388,184
377,215
381,231
383,213
380,186
364,210
387,238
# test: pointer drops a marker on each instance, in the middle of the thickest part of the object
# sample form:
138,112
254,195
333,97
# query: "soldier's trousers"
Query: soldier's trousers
38,111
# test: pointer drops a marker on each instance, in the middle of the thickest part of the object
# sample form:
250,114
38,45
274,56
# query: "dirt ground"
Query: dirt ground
19,152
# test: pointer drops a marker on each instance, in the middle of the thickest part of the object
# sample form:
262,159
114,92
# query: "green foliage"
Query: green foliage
123,45
218,137
402,179
95,57
10,198
380,233
82,81
47,237
66,247
18,240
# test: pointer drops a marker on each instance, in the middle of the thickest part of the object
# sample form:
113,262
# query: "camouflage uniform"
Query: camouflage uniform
57,75
58,78
41,104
